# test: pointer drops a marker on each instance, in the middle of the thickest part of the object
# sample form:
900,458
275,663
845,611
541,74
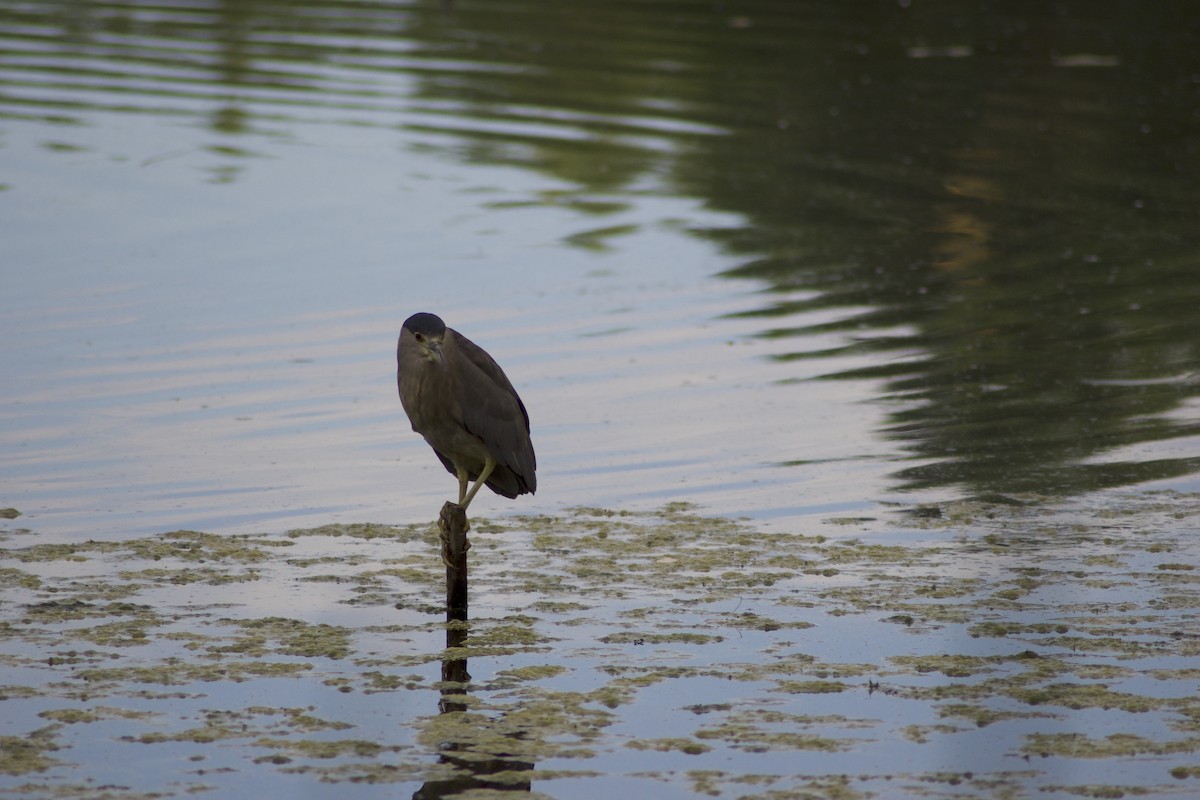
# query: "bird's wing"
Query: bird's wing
492,410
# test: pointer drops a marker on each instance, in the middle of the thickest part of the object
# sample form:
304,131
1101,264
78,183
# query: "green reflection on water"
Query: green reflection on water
1027,222
1001,203
1014,191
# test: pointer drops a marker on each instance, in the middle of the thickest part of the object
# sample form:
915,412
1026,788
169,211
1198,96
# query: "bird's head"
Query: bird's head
427,331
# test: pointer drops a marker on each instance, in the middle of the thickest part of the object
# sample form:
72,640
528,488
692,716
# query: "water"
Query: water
790,261
978,230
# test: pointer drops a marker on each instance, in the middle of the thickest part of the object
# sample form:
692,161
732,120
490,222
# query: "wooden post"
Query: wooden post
452,528
452,525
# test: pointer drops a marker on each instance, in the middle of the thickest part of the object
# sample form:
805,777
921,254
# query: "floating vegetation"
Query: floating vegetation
610,644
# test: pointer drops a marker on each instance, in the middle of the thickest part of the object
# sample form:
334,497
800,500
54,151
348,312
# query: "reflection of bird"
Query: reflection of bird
459,399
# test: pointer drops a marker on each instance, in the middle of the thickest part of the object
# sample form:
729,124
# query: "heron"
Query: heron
458,398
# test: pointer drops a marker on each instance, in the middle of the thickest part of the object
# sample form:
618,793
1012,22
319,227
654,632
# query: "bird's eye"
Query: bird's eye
419,337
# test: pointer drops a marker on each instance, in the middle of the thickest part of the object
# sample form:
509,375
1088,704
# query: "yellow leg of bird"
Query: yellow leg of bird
463,478
488,466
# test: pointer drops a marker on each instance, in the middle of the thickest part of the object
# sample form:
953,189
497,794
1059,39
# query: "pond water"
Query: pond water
796,263
775,262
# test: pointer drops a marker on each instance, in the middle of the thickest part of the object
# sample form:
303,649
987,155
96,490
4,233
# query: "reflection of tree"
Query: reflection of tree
553,87
982,183
1038,292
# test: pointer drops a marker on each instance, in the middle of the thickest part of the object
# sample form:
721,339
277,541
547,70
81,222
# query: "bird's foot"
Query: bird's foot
448,551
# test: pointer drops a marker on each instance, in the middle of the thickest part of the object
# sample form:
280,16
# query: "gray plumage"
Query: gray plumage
459,399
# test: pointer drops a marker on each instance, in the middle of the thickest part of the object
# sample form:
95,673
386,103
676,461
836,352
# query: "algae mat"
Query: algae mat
1024,648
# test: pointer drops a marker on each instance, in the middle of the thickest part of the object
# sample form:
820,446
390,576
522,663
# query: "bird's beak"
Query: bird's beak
433,351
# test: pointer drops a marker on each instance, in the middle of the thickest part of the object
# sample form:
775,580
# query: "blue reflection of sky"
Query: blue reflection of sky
200,337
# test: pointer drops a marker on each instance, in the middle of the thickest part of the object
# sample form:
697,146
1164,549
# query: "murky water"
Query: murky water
803,263
977,230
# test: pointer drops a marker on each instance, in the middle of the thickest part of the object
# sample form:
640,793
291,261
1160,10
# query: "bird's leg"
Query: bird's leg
463,478
488,466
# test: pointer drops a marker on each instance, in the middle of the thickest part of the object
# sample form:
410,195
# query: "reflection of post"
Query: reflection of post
454,670
476,761
452,525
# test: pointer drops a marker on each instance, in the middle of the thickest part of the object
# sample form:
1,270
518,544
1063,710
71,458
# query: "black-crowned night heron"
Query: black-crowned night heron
459,399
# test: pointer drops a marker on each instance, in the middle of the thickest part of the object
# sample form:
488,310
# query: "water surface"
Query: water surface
805,263
667,221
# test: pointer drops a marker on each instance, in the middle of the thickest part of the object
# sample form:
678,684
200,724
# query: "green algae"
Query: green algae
176,673
1011,616
759,730
922,734
756,622
526,674
18,692
558,606
784,668
45,553
514,633
383,682
116,634
288,637
545,724
1080,745
76,609
324,748
367,773
184,576
1079,696
688,746
188,546
982,716
193,546
811,687
74,716
953,666
1102,792
256,725
755,739
21,755
13,578
369,531
640,638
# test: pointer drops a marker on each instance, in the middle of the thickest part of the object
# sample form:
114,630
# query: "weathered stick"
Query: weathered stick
452,526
